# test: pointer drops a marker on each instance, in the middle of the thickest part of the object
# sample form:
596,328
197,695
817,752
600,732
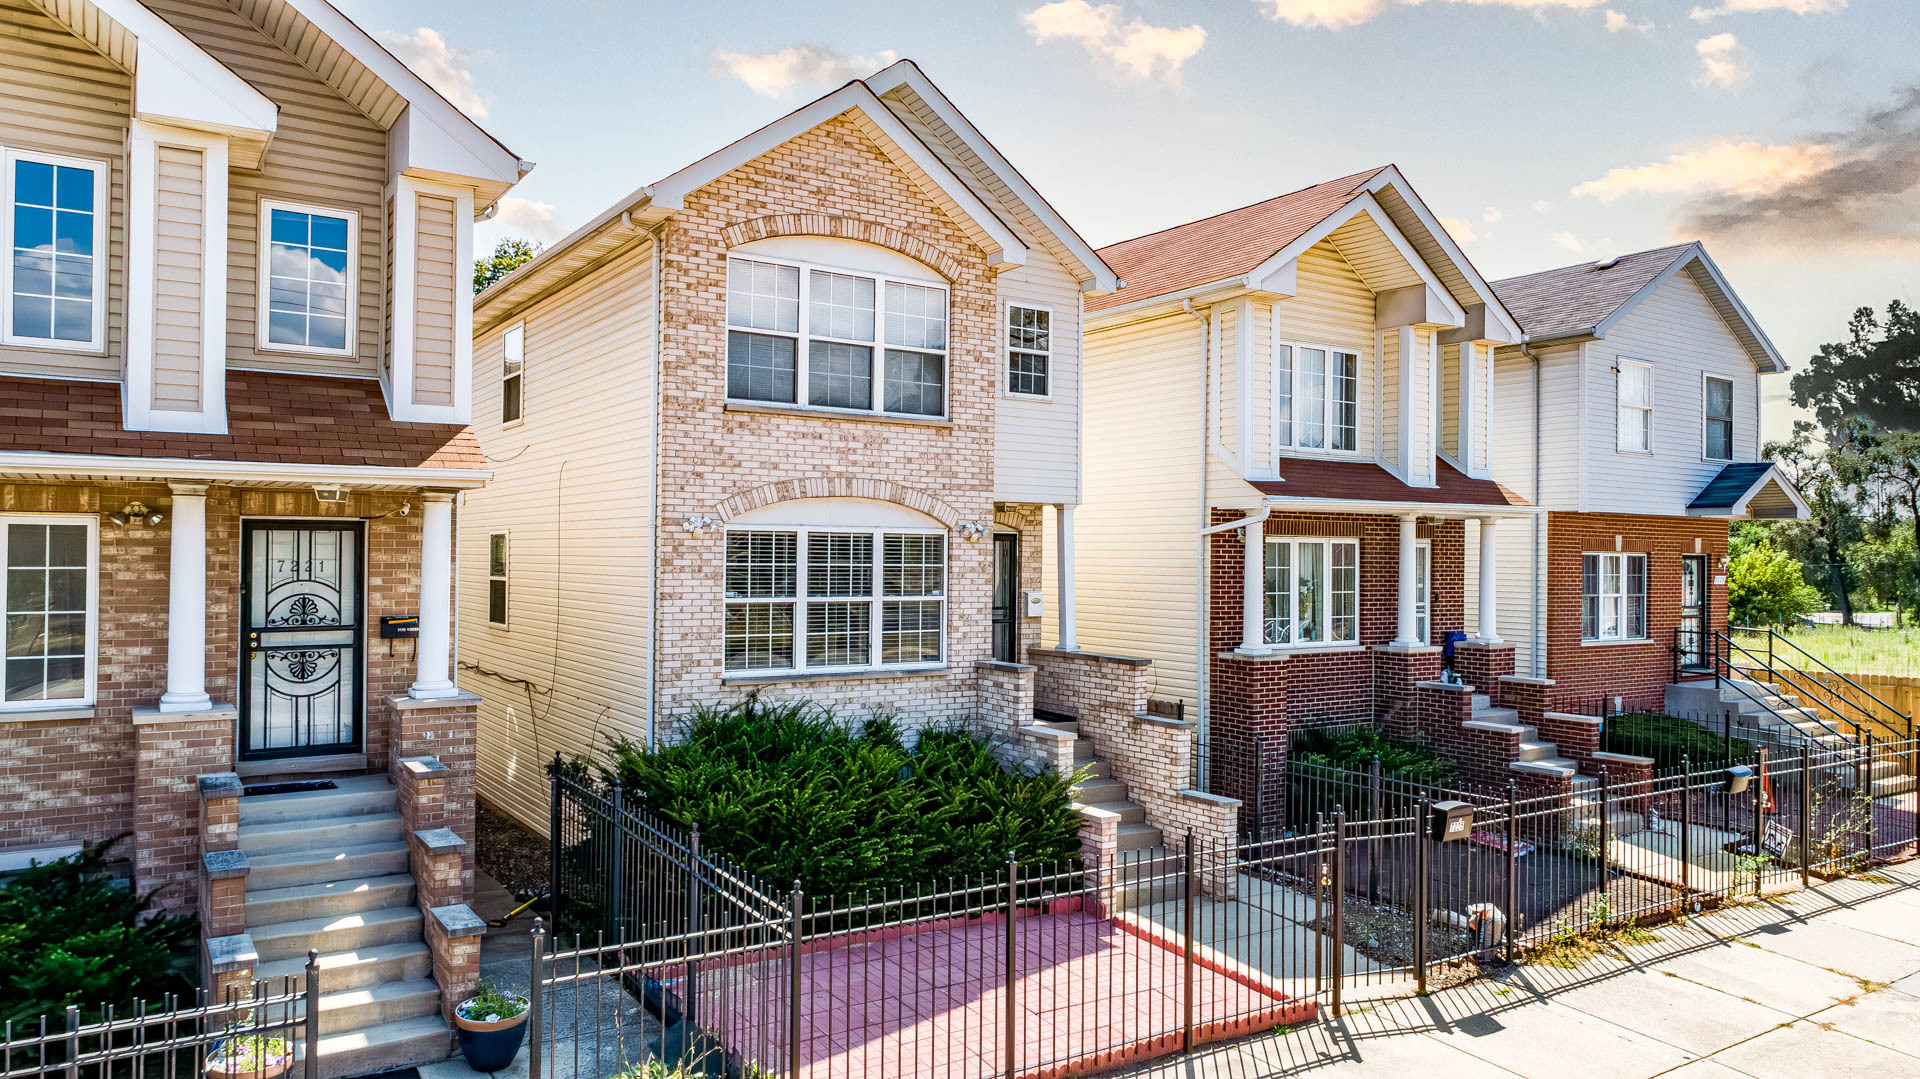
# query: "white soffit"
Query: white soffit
1393,188
1277,267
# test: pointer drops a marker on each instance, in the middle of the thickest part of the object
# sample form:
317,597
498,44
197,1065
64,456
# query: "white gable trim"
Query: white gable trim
1739,509
1282,266
1390,176
1768,357
175,81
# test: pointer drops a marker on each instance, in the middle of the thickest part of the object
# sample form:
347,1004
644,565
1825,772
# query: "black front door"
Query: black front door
1693,610
1006,595
300,632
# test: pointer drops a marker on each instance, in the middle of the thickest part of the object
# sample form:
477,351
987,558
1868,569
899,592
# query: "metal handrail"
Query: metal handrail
1773,635
1817,685
1727,661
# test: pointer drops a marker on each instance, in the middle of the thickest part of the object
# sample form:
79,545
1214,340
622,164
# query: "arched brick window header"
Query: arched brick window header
837,487
845,228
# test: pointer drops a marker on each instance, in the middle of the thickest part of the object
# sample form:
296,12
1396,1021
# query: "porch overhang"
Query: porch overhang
1750,489
1448,510
83,467
1311,485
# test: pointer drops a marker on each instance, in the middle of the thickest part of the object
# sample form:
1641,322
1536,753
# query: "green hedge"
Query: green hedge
1355,747
1666,739
788,790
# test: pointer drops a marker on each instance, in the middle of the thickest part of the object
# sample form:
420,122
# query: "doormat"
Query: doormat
297,787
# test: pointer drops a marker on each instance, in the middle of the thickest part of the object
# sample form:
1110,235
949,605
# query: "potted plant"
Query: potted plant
492,1024
244,1055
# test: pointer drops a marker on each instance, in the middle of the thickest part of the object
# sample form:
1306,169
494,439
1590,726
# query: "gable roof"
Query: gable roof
1589,298
1740,491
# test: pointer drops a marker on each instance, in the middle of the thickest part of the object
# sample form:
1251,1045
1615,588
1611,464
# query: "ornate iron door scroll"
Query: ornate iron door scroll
301,627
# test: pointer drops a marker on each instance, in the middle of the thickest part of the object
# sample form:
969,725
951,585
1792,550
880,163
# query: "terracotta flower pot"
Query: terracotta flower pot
490,1044
216,1069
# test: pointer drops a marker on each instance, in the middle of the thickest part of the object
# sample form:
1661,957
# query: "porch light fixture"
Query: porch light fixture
972,530
696,523
330,494
136,512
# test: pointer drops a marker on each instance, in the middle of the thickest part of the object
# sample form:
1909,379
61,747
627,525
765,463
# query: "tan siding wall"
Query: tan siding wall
1332,306
436,288
179,277
325,152
1420,468
1483,404
1450,402
1390,397
1037,441
1135,571
59,96
570,488
1560,412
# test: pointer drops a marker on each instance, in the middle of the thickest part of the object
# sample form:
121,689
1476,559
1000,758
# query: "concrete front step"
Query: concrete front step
1558,767
1889,786
285,869
373,1005
388,1047
368,929
1096,791
1481,700
356,968
302,834
352,796
328,899
1534,750
1126,811
1134,837
1496,715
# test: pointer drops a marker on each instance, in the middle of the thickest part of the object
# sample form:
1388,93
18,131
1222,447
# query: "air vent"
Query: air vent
1607,263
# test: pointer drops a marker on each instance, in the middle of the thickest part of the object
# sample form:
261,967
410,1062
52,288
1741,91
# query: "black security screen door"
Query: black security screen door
1006,584
301,628
1693,610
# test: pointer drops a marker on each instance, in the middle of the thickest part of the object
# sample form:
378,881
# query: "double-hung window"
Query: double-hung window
50,597
513,350
1029,349
1312,591
1316,398
1613,597
497,578
1423,590
832,339
821,599
1719,409
307,277
54,234
1635,422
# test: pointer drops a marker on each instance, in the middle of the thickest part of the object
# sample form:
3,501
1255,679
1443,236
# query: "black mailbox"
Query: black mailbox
1448,821
399,625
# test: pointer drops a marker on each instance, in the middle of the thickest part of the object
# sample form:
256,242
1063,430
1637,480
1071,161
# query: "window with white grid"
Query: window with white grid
1635,391
47,583
1613,597
1312,591
808,599
1029,349
804,335
1316,398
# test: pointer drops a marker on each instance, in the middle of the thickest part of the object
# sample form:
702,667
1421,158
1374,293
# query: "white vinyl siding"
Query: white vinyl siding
49,595
1036,455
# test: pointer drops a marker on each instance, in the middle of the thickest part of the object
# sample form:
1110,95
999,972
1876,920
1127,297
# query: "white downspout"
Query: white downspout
1537,658
1201,675
653,523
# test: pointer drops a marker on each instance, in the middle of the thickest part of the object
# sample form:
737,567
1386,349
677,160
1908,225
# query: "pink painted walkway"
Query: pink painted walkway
933,1004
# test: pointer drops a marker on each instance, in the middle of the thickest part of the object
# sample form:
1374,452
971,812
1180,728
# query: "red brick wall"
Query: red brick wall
1638,672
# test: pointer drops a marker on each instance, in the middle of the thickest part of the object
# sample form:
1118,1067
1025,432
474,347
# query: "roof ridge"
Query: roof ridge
1589,263
1366,174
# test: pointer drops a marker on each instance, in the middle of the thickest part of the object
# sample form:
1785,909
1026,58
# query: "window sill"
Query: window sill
836,414
1316,649
745,679
72,348
1584,643
1633,453
46,715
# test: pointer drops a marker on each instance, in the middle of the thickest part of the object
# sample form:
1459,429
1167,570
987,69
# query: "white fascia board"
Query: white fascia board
178,81
1363,203
906,72
441,138
1291,504
162,468
1166,303
1390,176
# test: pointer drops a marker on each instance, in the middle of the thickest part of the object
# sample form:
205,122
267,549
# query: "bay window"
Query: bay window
807,336
1312,591
1316,398
53,231
833,599
49,601
1613,597
1635,407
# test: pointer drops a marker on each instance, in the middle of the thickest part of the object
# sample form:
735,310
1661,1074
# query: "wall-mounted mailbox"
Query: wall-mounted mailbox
1035,607
399,625
1448,821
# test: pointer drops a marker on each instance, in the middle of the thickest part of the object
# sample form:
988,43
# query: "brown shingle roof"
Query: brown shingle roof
1572,300
275,418
1308,477
1223,245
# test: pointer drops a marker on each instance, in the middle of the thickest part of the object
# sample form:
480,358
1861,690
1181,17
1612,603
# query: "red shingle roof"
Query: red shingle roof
1223,245
275,418
1307,477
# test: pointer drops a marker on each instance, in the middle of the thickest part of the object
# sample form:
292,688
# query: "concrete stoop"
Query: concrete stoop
1705,700
329,872
1537,756
1141,845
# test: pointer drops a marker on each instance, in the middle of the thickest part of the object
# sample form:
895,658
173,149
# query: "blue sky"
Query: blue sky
1785,133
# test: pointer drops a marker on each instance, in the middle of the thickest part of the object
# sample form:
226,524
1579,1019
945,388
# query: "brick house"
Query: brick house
234,356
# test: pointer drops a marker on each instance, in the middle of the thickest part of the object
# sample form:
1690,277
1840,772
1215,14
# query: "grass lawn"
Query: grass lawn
1853,650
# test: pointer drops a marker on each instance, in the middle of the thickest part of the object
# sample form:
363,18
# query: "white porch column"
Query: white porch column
1409,622
187,603
1253,591
1489,583
1063,570
431,679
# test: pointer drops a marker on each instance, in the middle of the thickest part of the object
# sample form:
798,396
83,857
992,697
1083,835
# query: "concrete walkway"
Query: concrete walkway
1822,984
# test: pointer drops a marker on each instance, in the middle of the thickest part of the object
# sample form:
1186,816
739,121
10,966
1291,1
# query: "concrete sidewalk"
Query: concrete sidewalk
1822,984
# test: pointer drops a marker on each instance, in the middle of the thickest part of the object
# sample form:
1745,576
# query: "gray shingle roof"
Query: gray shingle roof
1572,300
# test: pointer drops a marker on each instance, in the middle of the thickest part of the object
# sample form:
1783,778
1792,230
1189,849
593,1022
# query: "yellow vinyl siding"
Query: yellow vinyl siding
59,96
1332,306
1037,440
1450,403
179,278
436,288
1482,405
571,490
325,153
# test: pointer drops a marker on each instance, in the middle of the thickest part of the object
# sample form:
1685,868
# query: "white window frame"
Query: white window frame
97,339
506,589
1423,589
1006,328
1707,418
1621,560
92,524
801,603
1326,545
1291,443
803,339
513,368
1620,406
263,253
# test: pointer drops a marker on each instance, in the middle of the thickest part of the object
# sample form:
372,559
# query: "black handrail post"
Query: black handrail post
696,938
1187,961
1339,906
1602,852
1686,832
1866,795
1759,826
794,985
1013,971
313,1014
1513,864
536,993
617,880
1806,814
1259,787
1422,916
1319,902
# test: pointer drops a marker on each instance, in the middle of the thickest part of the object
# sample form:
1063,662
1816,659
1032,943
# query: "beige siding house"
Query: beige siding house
235,349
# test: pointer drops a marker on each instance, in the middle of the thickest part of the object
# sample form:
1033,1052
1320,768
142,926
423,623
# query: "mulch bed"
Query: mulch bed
510,853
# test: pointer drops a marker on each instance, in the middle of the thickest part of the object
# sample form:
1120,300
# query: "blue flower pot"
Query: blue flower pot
491,1047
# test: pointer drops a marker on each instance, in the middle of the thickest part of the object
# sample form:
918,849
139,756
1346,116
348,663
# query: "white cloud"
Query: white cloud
776,74
1541,206
1490,215
1620,24
1746,169
1748,7
1569,241
442,66
1723,62
1137,48
1460,229
1335,14
526,218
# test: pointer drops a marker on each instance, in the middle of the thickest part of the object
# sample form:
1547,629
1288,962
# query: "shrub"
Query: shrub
1765,587
71,934
789,791
1666,739
1355,747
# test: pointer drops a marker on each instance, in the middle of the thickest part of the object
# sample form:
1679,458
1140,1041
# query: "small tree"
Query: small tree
508,255
1766,588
